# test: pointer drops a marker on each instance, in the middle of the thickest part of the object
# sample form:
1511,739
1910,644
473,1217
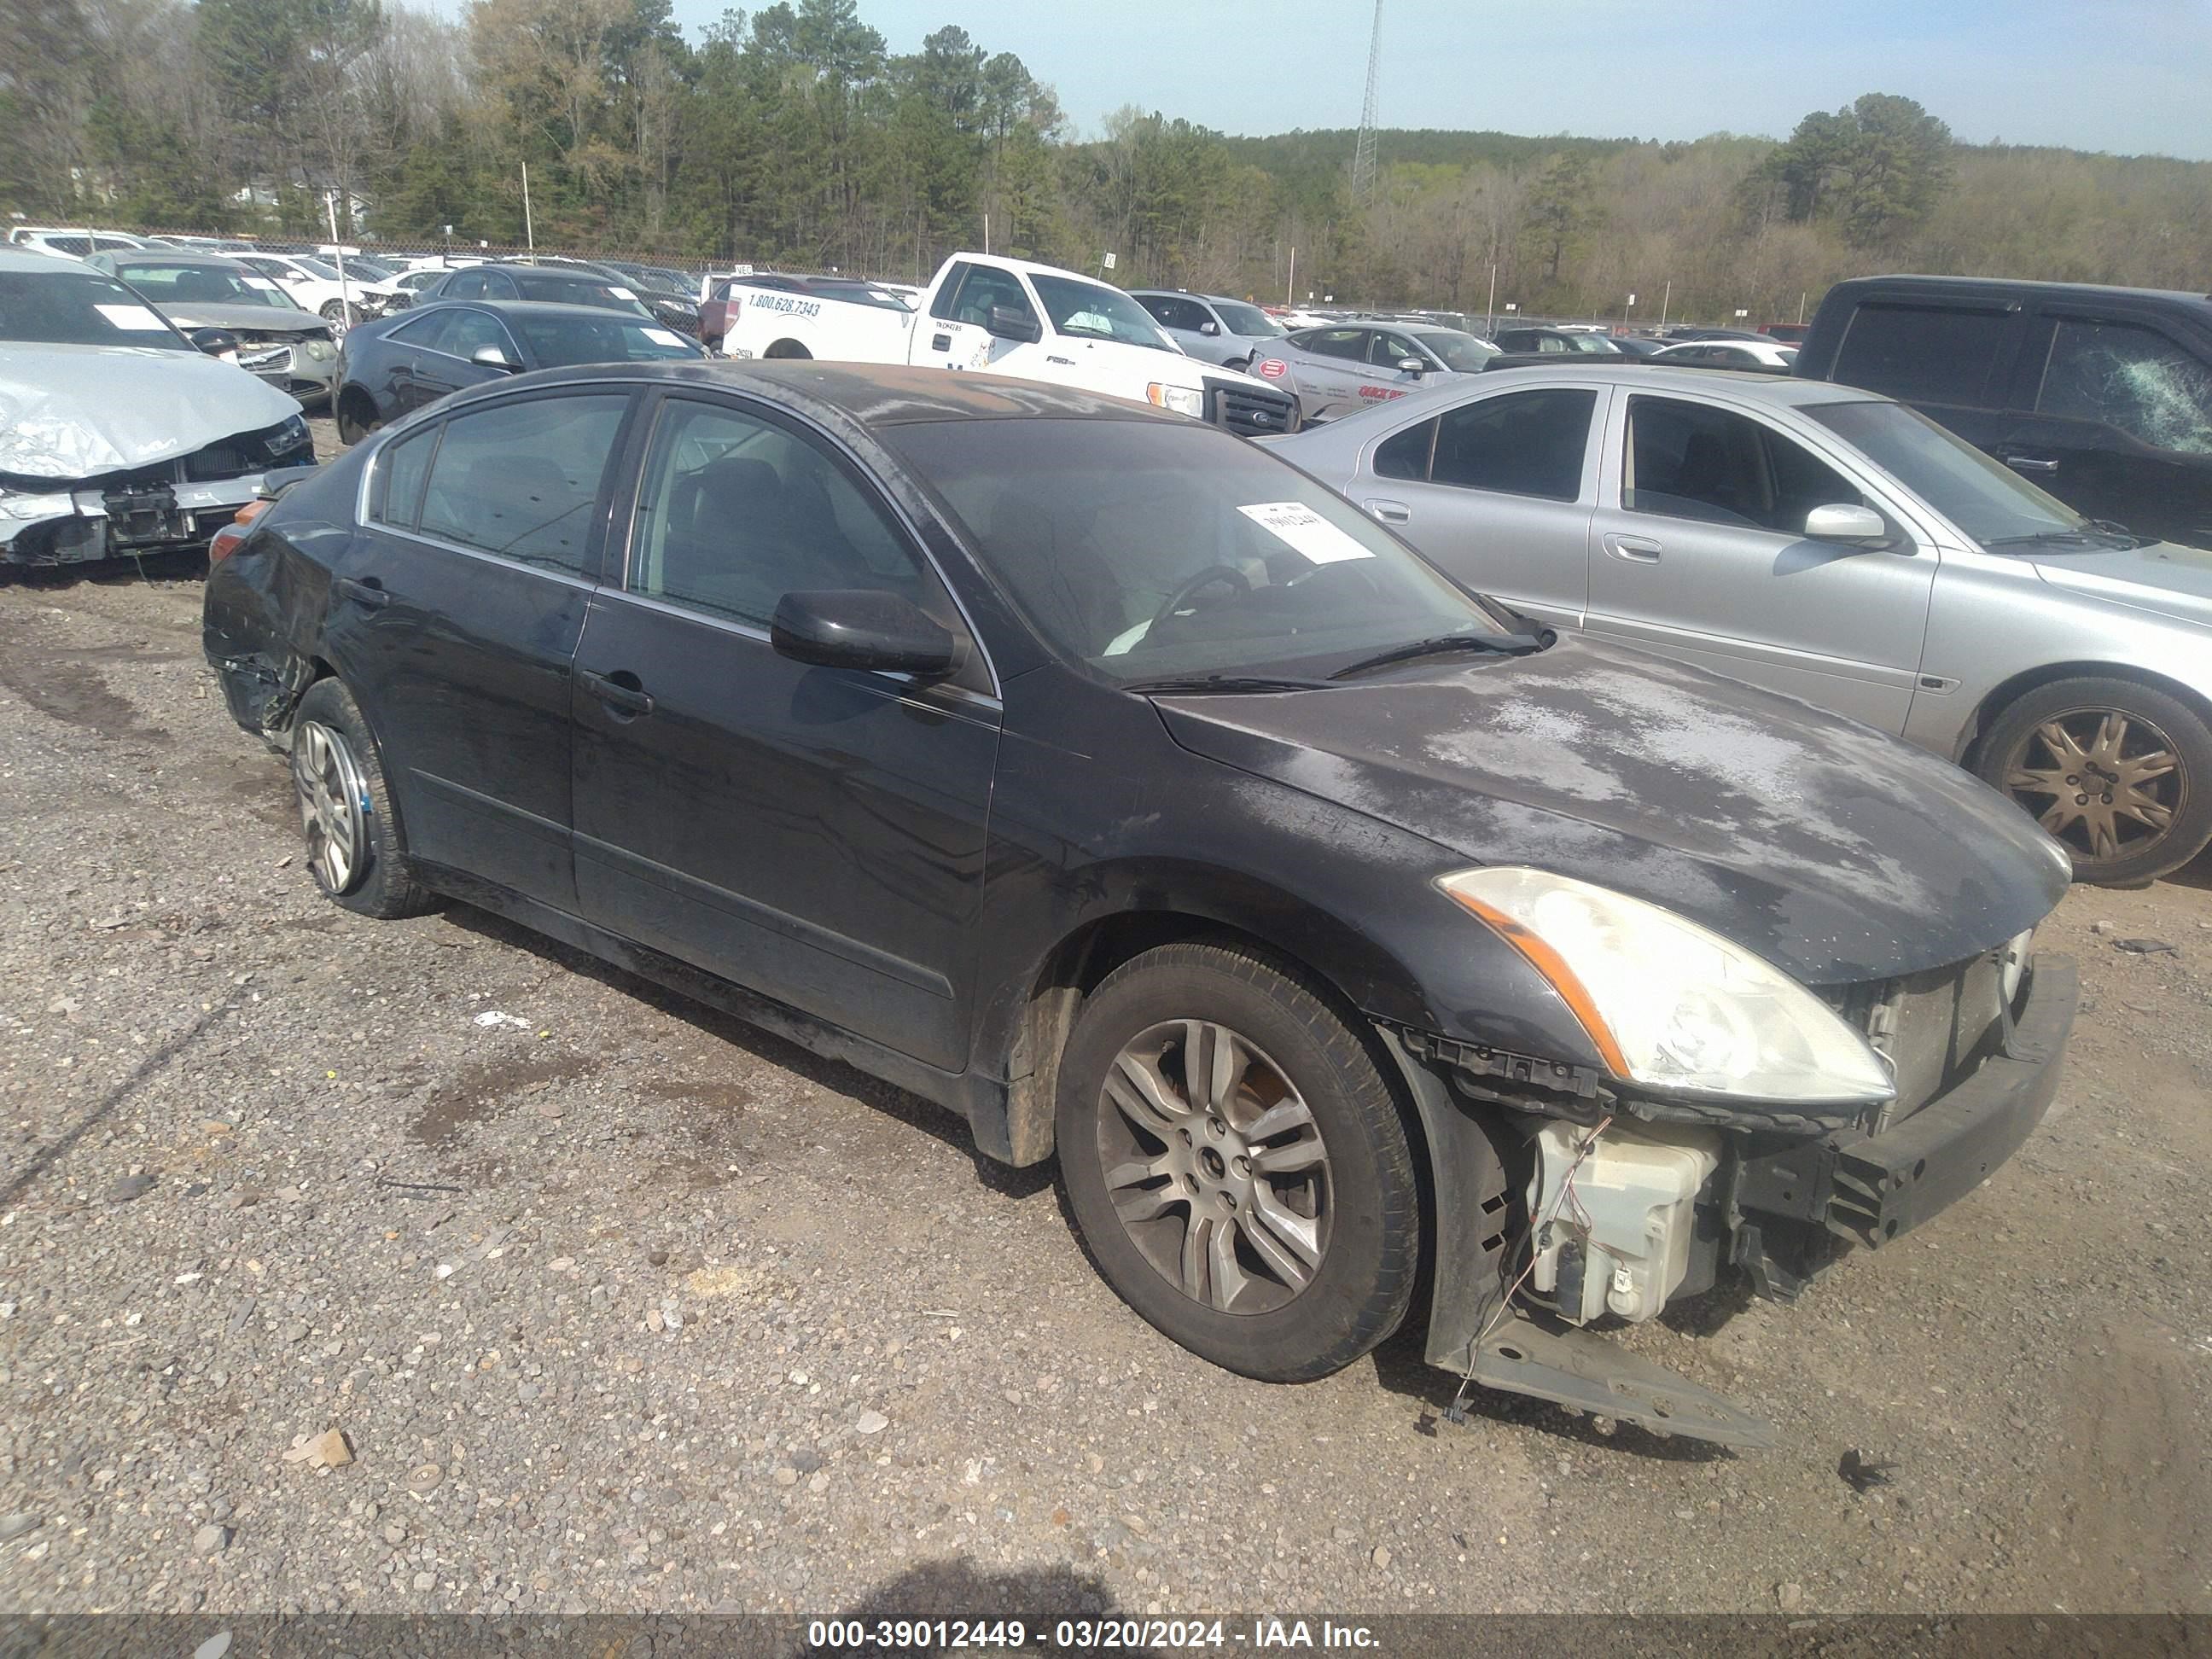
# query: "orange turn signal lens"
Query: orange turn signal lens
1553,967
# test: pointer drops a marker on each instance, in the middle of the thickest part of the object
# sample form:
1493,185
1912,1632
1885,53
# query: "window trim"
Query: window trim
621,546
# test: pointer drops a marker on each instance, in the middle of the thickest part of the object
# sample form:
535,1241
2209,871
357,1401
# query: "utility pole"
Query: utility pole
529,228
1489,318
1363,153
337,253
1663,299
1290,288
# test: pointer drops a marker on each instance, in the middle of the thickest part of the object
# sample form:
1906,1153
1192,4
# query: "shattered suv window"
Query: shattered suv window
2131,378
78,307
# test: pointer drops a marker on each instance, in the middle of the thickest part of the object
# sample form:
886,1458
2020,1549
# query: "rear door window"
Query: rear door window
1350,344
1922,354
522,479
2124,375
1527,443
399,473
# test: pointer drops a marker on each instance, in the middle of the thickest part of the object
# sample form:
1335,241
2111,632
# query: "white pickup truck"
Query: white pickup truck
1009,317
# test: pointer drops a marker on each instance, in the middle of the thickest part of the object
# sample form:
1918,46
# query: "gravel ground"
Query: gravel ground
616,1306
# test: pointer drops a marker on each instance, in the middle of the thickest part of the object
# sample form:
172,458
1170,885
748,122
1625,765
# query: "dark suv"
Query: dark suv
2103,396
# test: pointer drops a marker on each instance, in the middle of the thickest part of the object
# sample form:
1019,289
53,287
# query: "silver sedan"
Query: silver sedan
1834,546
1341,369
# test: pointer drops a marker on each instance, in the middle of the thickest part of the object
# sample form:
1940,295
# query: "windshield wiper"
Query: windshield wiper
2092,534
1199,683
1500,644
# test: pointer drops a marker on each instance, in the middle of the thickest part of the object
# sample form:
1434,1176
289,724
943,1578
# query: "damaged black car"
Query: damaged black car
1365,952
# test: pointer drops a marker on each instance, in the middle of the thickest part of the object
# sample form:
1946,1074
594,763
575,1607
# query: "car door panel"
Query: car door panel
1692,566
1506,506
460,656
814,834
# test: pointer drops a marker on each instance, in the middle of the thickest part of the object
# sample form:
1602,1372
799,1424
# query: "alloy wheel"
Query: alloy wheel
2106,782
1215,1166
333,806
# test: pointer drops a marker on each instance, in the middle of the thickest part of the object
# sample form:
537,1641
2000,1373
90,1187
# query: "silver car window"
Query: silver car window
1687,460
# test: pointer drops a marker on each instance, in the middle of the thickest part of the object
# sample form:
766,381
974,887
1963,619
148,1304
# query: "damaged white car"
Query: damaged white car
118,434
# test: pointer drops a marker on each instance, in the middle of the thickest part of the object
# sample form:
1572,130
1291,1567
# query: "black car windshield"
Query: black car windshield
185,283
1984,498
578,291
554,340
1460,353
1247,322
78,307
1093,311
1146,550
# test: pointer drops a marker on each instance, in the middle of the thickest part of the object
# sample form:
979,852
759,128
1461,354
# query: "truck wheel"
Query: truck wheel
1236,1165
356,850
786,349
2120,773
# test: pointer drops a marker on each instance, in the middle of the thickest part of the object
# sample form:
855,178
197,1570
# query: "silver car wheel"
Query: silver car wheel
1215,1166
333,807
2106,782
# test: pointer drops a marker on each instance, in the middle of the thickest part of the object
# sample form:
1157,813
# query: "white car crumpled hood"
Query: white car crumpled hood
69,412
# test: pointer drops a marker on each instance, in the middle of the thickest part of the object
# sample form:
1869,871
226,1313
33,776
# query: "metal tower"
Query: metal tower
1363,155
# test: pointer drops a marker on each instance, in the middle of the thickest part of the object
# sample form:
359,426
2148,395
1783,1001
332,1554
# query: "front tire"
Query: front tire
356,850
1236,1164
2121,773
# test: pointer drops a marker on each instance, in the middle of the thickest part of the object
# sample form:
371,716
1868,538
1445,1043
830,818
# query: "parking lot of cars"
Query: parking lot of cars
914,939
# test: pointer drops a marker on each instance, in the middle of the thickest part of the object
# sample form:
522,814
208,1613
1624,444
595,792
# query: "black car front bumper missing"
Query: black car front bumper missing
1792,1205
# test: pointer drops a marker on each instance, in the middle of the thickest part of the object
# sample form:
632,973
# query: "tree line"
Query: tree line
793,135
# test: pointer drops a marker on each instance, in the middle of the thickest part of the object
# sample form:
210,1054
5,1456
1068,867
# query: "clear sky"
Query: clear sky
2131,75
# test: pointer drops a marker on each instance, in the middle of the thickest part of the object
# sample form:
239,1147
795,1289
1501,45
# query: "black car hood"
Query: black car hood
1835,852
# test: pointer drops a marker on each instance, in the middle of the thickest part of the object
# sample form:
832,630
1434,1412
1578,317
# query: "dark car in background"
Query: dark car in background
563,284
2102,395
1099,777
397,364
667,297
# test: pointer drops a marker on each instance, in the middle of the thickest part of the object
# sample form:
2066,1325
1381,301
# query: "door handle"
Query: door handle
940,343
2044,463
1391,512
368,593
1636,550
620,691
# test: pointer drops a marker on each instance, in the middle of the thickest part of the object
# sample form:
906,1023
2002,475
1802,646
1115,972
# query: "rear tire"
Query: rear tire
335,314
356,851
2120,772
357,415
1265,1218
787,349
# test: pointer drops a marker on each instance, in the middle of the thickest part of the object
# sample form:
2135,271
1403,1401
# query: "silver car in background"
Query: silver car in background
1834,546
290,347
1343,368
1210,327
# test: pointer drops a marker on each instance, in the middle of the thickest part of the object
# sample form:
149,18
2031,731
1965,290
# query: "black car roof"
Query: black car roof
869,394
2008,288
532,309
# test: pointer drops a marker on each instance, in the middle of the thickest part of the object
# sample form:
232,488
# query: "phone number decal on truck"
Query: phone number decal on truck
797,307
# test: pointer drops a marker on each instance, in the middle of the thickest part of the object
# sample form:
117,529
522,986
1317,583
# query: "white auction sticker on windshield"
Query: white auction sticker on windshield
660,336
622,293
132,317
1306,531
261,282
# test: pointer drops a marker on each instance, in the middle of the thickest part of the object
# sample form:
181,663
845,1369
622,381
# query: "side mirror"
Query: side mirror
1412,365
492,356
1008,324
861,628
1209,328
1861,526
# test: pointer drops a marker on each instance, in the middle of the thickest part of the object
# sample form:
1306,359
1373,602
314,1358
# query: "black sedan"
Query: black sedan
1104,778
398,363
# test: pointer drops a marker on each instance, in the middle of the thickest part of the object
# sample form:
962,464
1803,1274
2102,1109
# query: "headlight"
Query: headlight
292,435
321,350
1182,399
1669,1004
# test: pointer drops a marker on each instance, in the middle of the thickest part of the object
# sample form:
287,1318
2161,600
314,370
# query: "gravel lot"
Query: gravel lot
620,1306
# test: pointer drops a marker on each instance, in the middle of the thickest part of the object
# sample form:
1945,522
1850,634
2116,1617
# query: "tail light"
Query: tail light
226,540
